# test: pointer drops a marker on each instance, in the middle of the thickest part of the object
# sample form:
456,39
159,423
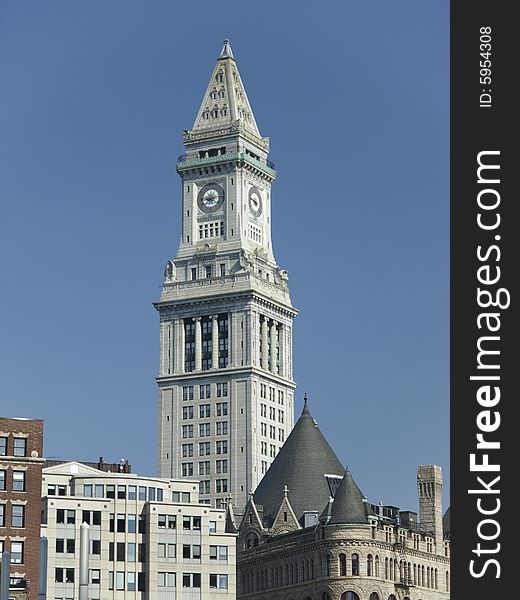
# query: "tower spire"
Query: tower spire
225,101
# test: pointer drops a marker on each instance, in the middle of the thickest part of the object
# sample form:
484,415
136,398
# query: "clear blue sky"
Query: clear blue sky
355,98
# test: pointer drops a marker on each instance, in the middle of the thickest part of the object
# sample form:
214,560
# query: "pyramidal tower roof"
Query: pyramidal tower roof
302,464
349,506
225,101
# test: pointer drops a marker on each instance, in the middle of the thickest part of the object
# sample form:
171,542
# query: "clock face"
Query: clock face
255,201
211,197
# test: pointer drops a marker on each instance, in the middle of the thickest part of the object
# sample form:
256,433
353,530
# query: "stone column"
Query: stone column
282,350
265,352
198,344
214,341
274,337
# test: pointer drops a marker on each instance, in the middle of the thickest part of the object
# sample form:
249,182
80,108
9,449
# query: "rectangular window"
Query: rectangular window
17,553
193,273
18,481
187,431
2,479
221,486
120,580
121,523
187,450
205,448
187,469
204,411
111,491
222,269
187,412
132,520
132,492
142,492
130,581
221,466
99,490
221,428
204,487
95,576
17,515
120,551
212,527
222,447
208,271
87,490
151,494
3,446
222,409
121,492
20,447
204,429
204,467
187,392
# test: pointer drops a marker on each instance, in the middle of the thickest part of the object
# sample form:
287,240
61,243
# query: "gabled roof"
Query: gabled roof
302,465
225,100
349,506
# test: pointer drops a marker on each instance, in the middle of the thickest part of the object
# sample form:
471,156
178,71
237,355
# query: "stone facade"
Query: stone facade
225,378
21,448
150,538
322,539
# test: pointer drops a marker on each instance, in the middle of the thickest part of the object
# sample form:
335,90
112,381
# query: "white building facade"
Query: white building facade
226,388
150,538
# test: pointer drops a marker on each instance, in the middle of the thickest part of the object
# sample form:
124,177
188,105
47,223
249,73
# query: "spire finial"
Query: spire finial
226,50
305,410
285,491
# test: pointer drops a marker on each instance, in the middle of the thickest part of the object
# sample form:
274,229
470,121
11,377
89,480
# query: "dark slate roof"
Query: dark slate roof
349,506
301,465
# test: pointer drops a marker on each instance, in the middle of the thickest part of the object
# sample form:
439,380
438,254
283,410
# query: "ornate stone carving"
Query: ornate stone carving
169,272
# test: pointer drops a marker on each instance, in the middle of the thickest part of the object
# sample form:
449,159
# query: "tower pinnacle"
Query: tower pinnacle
226,50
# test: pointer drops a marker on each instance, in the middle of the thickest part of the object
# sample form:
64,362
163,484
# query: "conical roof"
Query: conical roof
302,465
225,101
349,506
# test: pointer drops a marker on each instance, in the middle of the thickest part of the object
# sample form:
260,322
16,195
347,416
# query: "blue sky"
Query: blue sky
355,98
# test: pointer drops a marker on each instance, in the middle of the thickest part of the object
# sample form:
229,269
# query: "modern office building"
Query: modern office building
149,538
21,448
226,376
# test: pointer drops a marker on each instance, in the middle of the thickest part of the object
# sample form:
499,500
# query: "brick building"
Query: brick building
21,448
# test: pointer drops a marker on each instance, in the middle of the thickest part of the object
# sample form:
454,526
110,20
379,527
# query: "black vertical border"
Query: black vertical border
475,129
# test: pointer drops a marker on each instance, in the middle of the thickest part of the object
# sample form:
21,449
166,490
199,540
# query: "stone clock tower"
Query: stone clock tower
225,378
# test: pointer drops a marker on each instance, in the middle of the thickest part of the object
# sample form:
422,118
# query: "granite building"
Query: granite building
309,533
21,447
225,377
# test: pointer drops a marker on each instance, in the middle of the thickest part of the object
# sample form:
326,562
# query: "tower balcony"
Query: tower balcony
267,168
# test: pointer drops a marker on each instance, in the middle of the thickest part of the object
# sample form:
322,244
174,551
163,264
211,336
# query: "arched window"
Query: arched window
342,565
391,568
447,581
370,566
374,596
436,582
392,597
349,596
355,564
377,566
312,568
327,566
386,568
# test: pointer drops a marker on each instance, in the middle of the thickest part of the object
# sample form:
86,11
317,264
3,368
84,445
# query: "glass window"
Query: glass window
111,491
121,492
17,552
20,447
130,581
2,515
160,494
99,490
132,519
2,479
95,576
87,490
151,494
120,580
132,492
142,492
17,515
3,446
18,481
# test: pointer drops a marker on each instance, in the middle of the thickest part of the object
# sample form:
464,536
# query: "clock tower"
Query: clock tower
226,389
